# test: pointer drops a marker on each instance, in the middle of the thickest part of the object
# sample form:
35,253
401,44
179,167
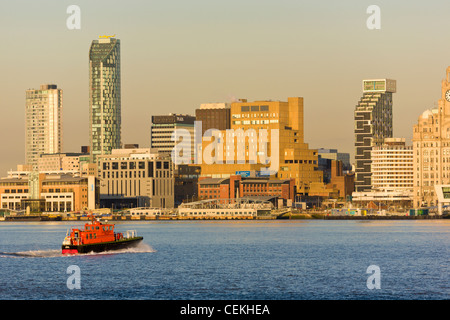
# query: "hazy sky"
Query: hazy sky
178,54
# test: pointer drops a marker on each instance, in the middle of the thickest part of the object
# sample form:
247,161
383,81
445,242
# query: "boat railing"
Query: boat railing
130,234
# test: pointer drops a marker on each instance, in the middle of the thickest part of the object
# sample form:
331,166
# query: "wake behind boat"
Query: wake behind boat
98,237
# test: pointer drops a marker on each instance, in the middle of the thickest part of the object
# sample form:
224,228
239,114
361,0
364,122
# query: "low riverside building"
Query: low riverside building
56,193
133,178
237,186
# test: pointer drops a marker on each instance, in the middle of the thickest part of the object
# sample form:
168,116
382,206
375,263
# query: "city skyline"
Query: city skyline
320,52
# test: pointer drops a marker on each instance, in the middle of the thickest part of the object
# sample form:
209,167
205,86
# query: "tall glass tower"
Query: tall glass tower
104,96
373,123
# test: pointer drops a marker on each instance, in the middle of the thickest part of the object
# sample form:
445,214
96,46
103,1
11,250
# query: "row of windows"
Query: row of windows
16,191
135,174
254,108
247,122
221,213
132,165
254,115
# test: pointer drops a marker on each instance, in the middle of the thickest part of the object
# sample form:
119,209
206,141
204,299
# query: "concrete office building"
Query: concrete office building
392,175
162,132
43,128
373,123
136,178
104,96
392,166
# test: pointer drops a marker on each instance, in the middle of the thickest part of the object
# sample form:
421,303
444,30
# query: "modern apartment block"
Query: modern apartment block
292,158
163,128
136,178
373,123
43,129
104,96
431,146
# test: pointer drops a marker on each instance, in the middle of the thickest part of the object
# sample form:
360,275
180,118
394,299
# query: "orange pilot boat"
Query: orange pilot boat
98,237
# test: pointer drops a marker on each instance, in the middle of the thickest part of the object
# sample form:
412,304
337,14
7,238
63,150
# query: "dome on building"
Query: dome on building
426,114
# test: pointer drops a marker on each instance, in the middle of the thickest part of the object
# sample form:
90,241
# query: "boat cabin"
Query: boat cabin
94,232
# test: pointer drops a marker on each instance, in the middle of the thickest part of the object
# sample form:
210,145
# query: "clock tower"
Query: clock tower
444,103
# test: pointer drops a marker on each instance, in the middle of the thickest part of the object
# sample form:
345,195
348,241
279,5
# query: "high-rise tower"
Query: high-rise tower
104,96
373,123
43,122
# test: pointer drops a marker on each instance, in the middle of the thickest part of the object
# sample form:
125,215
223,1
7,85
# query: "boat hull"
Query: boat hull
101,247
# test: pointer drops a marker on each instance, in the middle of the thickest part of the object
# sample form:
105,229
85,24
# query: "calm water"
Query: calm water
276,260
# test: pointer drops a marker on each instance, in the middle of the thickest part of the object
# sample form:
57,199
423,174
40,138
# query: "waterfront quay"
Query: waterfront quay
286,215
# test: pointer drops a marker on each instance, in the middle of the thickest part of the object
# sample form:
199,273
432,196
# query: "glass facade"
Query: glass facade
104,97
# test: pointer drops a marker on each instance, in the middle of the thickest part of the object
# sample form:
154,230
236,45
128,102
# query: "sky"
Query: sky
176,55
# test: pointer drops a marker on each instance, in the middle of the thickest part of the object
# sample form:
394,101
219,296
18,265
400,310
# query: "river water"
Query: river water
243,260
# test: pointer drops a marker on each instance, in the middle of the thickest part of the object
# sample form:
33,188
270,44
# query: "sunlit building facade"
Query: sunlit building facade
431,146
43,129
290,157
